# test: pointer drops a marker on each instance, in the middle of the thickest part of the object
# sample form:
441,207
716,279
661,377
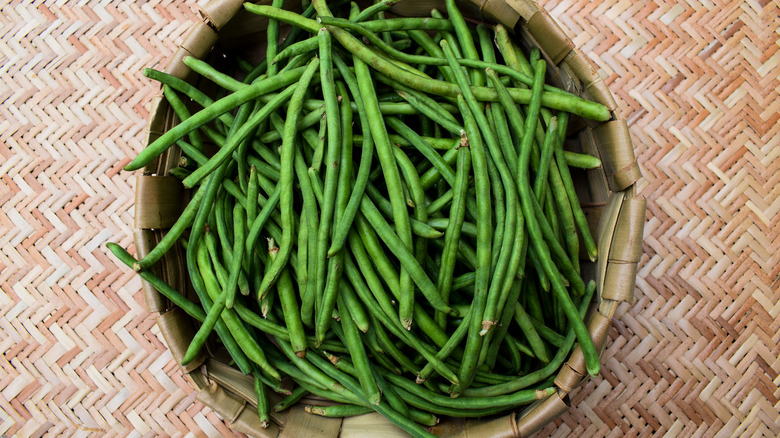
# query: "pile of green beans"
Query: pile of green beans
382,214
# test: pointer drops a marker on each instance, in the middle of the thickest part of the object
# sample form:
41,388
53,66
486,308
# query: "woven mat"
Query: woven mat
696,355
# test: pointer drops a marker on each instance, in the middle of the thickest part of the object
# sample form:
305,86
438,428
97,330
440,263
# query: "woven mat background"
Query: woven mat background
696,355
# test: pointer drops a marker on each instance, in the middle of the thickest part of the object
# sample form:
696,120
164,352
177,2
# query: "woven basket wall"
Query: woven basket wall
607,195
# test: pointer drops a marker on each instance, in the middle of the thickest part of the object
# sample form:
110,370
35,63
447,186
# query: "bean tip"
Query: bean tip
301,354
264,424
138,267
419,380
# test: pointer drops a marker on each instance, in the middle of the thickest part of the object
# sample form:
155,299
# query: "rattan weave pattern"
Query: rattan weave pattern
696,355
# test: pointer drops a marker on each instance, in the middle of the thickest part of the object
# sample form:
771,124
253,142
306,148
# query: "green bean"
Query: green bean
466,253
588,349
241,134
428,326
581,161
467,228
539,375
444,35
376,199
466,402
297,394
310,119
192,152
406,298
551,100
328,269
390,170
338,410
550,140
174,233
207,71
262,403
327,302
284,16
531,335
406,24
210,113
463,280
505,235
391,323
500,213
198,284
378,256
272,40
301,47
579,215
183,114
565,266
286,195
444,109
319,150
366,158
233,324
316,184
298,61
371,36
454,227
432,48
404,255
479,162
470,109
239,227
448,348
278,331
364,269
563,207
433,113
432,176
262,218
390,348
165,289
421,403
358,354
306,278
185,88
440,202
356,310
374,9
381,407
465,39
290,309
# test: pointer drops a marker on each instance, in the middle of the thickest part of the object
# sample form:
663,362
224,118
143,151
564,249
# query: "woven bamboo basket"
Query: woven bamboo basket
607,194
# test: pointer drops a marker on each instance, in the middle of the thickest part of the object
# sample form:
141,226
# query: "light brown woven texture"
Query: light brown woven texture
696,354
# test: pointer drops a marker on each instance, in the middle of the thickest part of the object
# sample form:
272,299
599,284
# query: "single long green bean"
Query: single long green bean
454,227
364,169
284,16
212,112
484,234
174,233
286,195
